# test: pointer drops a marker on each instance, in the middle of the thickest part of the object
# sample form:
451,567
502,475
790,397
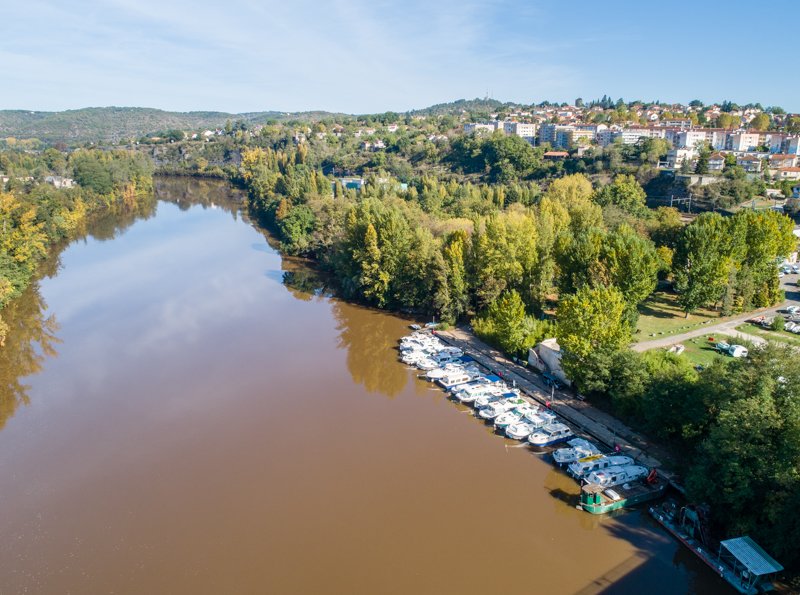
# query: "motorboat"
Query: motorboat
454,379
552,433
502,421
426,364
529,424
499,407
616,475
587,465
437,373
578,448
473,390
502,393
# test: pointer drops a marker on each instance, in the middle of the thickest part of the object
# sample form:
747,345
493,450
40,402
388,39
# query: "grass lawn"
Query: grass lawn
777,336
661,315
700,352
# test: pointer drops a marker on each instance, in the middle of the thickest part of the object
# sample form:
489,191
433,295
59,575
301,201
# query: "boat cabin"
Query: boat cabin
450,380
617,475
753,567
596,463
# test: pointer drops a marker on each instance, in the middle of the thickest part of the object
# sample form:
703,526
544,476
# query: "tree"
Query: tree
726,121
591,328
570,190
702,261
508,314
624,192
456,276
701,167
373,280
629,262
760,122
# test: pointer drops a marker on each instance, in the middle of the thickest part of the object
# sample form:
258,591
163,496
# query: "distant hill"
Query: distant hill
462,105
108,124
111,124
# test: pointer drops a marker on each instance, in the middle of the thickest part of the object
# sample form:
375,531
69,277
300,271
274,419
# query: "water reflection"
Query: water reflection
186,192
370,338
31,339
32,336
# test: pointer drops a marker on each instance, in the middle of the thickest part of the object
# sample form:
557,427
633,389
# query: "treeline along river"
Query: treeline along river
184,411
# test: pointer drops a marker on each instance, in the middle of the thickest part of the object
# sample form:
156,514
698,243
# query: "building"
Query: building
677,157
477,127
556,155
521,129
787,173
743,141
750,163
546,357
60,182
689,139
792,145
716,162
352,183
780,160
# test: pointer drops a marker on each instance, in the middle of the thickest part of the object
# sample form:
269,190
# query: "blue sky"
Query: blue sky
361,56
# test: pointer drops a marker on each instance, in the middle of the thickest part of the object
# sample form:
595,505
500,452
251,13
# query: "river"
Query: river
177,418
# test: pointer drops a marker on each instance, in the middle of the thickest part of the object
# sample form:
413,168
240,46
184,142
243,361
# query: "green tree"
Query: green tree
374,280
591,329
625,192
702,262
629,262
760,122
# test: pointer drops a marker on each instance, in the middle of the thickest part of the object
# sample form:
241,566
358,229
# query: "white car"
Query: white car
796,268
781,275
793,309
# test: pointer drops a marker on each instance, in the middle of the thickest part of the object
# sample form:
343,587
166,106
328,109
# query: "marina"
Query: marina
608,481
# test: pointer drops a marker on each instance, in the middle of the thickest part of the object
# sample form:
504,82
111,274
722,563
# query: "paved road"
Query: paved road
727,327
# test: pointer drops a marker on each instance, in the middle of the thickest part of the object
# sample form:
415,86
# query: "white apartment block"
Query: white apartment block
475,127
792,145
521,129
743,141
677,157
689,139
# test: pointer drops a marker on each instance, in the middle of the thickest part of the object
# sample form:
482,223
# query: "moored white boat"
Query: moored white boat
454,379
502,393
590,464
499,407
616,475
578,448
529,424
552,433
502,421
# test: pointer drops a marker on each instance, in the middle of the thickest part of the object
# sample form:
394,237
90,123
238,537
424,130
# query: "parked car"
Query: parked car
781,275
793,309
796,268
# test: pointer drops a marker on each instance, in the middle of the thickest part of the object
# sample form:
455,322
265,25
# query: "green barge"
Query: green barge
599,500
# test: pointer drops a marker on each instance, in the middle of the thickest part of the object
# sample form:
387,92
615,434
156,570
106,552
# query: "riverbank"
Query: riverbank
589,419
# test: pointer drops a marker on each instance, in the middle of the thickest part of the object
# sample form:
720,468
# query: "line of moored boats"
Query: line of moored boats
516,417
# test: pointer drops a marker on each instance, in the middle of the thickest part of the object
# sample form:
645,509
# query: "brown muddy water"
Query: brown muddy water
178,419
